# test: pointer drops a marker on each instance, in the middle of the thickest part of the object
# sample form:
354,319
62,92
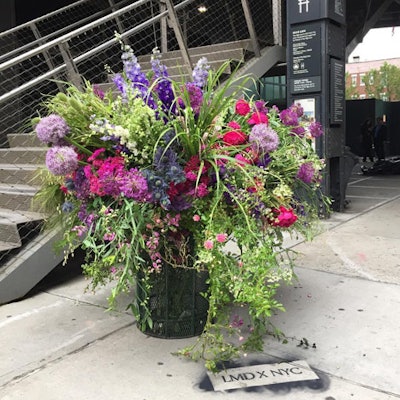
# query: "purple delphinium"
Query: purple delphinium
133,185
306,172
120,83
163,86
289,117
52,129
61,160
135,75
263,139
200,72
315,129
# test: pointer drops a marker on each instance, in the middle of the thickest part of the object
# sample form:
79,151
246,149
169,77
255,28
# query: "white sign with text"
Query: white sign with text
261,375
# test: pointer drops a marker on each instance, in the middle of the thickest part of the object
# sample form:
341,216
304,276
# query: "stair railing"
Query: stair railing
76,54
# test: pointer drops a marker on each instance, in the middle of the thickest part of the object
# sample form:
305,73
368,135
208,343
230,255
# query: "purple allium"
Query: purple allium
289,117
61,160
200,72
133,185
315,129
263,139
306,172
298,109
52,129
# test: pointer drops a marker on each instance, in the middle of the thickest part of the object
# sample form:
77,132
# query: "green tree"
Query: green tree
350,91
383,83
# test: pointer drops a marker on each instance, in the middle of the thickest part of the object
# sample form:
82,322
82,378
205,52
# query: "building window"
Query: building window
354,80
362,77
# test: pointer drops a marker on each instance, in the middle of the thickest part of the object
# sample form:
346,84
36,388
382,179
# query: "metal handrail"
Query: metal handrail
62,41
70,35
41,18
32,24
88,54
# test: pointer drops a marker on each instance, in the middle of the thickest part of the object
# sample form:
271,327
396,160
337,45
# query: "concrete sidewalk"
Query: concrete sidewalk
60,343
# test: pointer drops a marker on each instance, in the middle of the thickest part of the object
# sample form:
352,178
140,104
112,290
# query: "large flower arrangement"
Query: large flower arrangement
135,173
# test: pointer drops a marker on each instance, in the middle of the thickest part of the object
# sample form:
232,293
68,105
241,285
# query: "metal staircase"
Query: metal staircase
26,253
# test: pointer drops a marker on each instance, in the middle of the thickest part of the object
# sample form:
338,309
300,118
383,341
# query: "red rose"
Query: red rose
284,217
234,138
242,107
258,118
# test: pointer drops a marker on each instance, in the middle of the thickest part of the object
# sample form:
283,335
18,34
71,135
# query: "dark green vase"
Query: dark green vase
174,302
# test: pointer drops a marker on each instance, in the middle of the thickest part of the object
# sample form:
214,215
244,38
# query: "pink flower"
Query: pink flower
258,118
196,218
109,236
242,160
242,107
234,125
235,138
284,217
221,237
208,244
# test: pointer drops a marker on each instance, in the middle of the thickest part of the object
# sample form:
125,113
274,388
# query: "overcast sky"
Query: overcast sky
379,44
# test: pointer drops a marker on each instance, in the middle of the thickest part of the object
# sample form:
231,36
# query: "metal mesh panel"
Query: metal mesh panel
77,43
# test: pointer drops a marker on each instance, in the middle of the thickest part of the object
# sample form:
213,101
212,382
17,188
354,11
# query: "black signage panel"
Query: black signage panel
305,50
304,65
310,10
337,91
305,85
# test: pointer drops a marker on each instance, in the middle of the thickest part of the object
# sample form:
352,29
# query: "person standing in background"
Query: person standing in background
367,140
380,135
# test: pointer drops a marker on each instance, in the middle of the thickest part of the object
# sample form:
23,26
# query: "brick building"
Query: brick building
356,70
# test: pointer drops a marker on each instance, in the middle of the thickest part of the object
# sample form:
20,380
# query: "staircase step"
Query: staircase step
24,140
19,174
9,232
17,197
6,246
26,155
215,60
203,50
13,224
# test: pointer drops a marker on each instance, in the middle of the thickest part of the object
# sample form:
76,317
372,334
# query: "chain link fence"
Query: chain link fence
76,44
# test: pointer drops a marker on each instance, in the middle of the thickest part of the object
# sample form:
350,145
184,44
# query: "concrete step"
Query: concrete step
17,197
15,227
7,246
215,60
24,140
19,174
25,155
204,50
